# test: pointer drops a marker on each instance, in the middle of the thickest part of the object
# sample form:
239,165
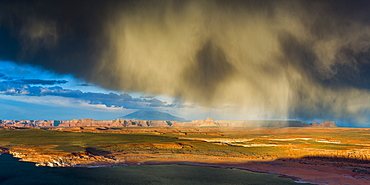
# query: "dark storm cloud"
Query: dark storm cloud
14,80
2,76
277,59
5,77
38,82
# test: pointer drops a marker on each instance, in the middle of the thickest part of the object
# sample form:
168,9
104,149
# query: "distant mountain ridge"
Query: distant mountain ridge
163,120
153,115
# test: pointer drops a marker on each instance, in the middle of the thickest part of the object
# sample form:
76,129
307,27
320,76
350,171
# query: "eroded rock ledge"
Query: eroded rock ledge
80,159
3,151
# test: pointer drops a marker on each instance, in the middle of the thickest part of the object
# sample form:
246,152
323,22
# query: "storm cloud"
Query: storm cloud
39,82
277,59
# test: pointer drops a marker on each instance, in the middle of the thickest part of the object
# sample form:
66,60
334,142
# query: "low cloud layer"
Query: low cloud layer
38,82
273,59
126,101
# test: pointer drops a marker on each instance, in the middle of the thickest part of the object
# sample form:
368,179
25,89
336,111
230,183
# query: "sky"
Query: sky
32,92
302,60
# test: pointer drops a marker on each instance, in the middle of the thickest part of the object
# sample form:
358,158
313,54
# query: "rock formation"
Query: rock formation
27,123
209,122
199,123
324,124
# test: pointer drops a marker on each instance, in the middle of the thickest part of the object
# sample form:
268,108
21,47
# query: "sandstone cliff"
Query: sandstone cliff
209,122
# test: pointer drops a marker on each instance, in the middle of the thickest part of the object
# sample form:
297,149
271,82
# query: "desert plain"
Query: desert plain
317,155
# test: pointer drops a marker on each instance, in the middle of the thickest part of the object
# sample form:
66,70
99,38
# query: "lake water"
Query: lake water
13,172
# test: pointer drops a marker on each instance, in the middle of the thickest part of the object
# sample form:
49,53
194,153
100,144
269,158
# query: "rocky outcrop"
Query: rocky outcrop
27,123
60,160
324,124
3,151
116,123
86,123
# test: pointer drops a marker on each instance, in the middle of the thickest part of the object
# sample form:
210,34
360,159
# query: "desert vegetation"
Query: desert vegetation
344,152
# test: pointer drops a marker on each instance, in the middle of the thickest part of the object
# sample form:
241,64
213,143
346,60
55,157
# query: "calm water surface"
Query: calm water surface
13,172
